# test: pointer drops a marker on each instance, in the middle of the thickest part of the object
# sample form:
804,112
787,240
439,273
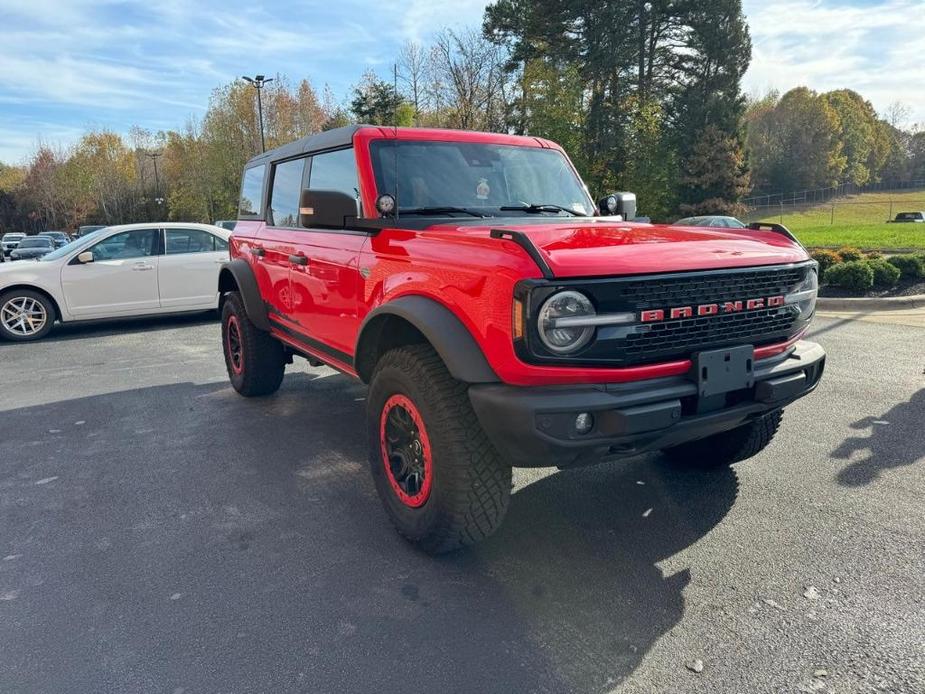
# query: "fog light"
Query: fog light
584,422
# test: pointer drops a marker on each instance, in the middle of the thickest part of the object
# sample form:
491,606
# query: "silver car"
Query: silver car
720,221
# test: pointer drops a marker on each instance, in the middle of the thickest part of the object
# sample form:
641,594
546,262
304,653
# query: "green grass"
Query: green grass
859,221
852,211
864,236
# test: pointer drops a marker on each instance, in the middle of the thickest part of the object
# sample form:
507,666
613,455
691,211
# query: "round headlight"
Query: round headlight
804,296
560,323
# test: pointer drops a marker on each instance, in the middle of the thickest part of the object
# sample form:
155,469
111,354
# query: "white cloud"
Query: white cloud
119,62
877,50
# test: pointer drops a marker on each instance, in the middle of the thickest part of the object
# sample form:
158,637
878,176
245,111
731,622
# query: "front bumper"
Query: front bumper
534,427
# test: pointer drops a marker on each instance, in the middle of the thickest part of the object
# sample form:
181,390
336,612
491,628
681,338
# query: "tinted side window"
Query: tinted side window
220,244
287,189
138,243
252,191
335,171
189,241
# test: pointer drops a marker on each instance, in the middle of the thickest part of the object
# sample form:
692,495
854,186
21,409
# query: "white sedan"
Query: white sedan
114,272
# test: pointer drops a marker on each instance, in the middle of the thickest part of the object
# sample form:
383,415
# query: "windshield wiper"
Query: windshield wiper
545,207
440,210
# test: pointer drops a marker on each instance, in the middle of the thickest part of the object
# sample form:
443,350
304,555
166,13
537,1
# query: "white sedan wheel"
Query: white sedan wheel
23,316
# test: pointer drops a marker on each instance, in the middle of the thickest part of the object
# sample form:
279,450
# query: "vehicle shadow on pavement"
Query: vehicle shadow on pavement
897,439
107,328
577,559
183,537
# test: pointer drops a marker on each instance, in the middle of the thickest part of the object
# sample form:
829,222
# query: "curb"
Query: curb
887,303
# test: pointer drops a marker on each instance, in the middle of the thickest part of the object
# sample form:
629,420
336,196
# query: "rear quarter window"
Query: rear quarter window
251,203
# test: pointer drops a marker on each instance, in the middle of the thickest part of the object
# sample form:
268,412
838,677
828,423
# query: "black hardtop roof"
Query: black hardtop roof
329,139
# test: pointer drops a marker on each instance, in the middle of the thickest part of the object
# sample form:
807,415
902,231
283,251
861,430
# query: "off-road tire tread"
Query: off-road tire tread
475,479
264,357
728,447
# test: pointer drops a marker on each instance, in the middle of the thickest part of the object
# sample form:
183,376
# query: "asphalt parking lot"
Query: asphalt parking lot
158,533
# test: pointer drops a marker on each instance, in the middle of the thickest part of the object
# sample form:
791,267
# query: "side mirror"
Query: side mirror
326,208
85,257
623,204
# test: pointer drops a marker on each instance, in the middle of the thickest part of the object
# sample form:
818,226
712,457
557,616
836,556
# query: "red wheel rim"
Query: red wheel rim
406,452
234,345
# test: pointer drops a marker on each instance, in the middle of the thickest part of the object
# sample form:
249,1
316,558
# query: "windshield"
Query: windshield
479,177
35,242
83,241
13,236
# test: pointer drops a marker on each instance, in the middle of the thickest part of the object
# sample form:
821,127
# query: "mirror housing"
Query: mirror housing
85,257
623,204
326,208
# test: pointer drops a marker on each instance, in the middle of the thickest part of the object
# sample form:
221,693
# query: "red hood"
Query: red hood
580,249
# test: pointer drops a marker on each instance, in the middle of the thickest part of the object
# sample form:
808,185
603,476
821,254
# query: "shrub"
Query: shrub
849,254
874,255
885,274
826,259
910,266
855,275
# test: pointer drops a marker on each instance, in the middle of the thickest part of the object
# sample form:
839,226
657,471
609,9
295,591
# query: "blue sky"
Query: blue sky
69,64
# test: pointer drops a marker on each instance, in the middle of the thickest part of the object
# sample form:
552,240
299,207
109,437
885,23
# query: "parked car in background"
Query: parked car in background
720,221
909,217
10,241
227,224
32,247
119,271
59,238
87,229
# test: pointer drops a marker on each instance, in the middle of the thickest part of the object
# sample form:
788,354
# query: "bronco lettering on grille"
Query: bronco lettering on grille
676,312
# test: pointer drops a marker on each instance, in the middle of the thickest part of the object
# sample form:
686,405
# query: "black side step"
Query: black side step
776,228
523,240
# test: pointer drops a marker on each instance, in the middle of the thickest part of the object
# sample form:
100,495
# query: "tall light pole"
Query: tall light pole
258,81
157,184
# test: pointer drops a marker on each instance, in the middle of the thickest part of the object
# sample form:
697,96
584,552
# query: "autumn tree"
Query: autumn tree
794,143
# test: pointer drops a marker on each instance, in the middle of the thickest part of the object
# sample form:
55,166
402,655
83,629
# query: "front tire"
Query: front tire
255,361
728,447
442,483
25,315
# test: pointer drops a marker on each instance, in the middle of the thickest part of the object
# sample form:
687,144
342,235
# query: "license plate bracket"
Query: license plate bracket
720,371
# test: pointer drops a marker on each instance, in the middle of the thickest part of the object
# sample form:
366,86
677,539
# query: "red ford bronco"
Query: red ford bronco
502,318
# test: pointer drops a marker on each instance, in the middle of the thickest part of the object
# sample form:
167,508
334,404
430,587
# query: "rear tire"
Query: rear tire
728,447
256,362
25,315
442,483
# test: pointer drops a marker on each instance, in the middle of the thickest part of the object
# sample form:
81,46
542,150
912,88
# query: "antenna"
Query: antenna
395,134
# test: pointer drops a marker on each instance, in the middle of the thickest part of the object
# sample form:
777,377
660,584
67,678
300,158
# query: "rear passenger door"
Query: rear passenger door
324,276
278,238
188,270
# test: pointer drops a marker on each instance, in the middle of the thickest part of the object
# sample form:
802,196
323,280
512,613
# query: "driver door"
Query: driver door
121,280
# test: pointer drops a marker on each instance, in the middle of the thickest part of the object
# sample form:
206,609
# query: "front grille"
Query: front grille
666,340
703,288
659,341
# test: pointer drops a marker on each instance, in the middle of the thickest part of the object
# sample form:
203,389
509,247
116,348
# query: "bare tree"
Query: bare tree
469,72
413,69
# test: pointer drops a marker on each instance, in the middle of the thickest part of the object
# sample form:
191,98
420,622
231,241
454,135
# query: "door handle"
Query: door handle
298,259
141,267
259,252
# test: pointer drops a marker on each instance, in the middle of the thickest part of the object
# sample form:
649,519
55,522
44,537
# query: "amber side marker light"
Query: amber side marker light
518,328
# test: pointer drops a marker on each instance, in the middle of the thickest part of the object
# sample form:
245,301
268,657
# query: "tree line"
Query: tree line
643,95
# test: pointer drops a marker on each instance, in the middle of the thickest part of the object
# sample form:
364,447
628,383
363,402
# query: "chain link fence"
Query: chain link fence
817,195
830,206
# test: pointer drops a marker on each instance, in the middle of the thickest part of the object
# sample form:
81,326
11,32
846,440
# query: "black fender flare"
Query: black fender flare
245,284
439,325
